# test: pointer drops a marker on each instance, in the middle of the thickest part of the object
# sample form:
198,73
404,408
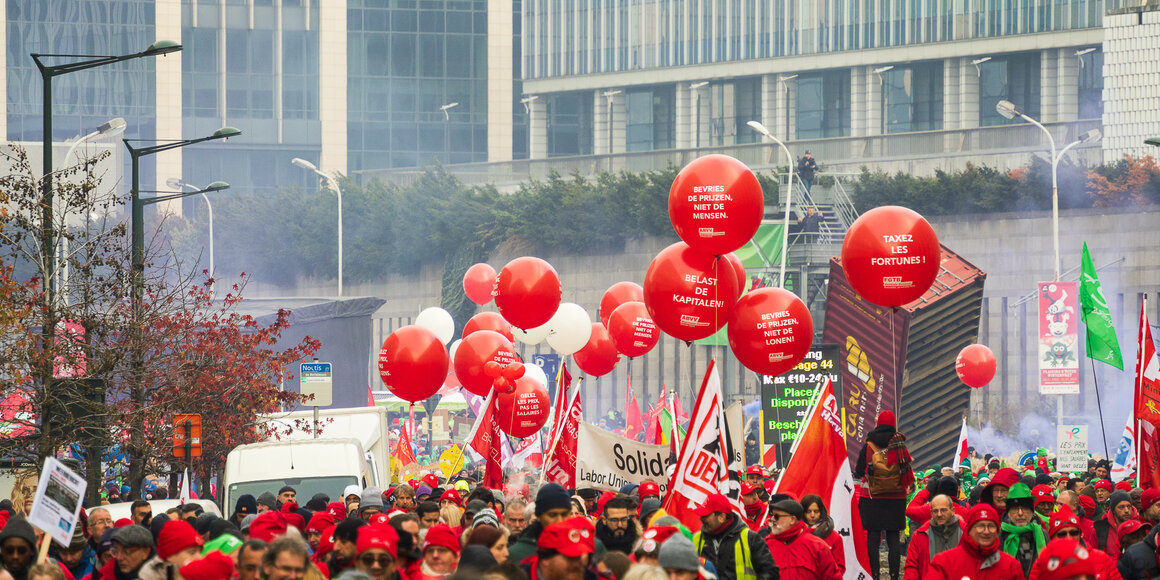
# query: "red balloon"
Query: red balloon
599,355
716,204
527,292
492,369
478,282
689,294
975,365
738,272
891,256
770,330
618,294
475,351
488,321
523,410
413,363
514,371
501,385
632,330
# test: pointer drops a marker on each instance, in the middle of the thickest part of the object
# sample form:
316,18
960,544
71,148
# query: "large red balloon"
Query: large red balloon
523,410
478,282
618,294
488,321
474,352
689,294
891,256
413,363
716,204
975,365
738,272
633,332
527,292
770,330
599,356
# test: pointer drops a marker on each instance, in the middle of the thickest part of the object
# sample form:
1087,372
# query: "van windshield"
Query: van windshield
304,487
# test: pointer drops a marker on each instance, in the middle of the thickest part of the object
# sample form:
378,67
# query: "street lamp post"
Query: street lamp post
176,183
304,164
1009,110
446,132
608,95
882,95
47,73
757,126
696,88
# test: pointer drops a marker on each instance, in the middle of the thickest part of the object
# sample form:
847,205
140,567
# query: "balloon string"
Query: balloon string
894,353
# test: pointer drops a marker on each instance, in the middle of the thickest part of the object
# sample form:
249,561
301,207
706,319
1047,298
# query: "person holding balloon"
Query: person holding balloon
884,466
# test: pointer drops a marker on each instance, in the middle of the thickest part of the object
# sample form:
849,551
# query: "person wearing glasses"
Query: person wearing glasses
287,558
132,549
1064,525
378,547
978,555
798,553
617,528
939,534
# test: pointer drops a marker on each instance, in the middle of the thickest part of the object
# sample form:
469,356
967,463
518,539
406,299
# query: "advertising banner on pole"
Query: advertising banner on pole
607,461
1058,339
785,398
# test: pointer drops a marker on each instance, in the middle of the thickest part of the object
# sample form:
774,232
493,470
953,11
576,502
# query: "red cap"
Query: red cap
714,504
268,526
648,488
572,537
1062,519
325,544
122,523
603,501
380,518
747,489
1149,497
337,510
320,521
453,496
431,480
652,538
1042,494
1103,484
441,535
886,418
414,483
1064,558
1129,527
175,536
980,513
214,566
1124,485
754,470
379,536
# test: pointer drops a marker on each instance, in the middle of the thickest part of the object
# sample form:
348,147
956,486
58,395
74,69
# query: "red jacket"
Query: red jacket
919,508
1112,548
918,553
965,562
800,555
1105,566
834,542
1089,532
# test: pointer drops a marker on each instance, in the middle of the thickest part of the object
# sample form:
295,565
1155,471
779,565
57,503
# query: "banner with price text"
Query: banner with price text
785,398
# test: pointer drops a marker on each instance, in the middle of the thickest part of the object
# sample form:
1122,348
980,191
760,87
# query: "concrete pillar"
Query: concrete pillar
683,132
500,97
1067,81
968,94
167,84
538,129
602,109
1048,86
951,93
866,100
769,102
332,102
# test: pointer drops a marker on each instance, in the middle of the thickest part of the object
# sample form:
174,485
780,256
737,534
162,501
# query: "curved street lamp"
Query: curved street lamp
176,183
304,164
757,126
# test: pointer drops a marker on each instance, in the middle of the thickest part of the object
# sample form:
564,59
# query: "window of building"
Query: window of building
746,107
570,124
823,105
912,97
650,118
1091,85
1013,77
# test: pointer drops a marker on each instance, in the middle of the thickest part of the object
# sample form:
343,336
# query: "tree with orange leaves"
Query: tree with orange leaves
1131,181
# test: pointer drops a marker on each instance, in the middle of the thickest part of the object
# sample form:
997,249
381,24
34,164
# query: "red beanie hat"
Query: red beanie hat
295,519
1062,518
981,512
1042,494
431,480
453,496
886,418
319,522
1149,497
290,507
1124,485
441,535
603,501
214,566
325,544
268,526
1103,484
175,536
378,536
380,518
1088,504
1064,558
337,510
122,523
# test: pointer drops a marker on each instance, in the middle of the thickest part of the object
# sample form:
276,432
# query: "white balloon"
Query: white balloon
533,336
571,327
439,321
536,373
454,347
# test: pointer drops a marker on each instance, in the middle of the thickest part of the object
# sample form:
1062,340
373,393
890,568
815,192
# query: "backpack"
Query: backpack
884,479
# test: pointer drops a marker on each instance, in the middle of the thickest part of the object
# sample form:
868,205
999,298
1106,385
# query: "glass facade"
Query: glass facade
651,118
1091,84
1012,77
570,124
912,97
823,104
406,59
573,37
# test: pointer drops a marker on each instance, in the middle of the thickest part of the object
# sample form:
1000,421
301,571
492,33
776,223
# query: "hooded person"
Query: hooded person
939,534
995,492
1120,510
977,557
884,466
797,552
1022,535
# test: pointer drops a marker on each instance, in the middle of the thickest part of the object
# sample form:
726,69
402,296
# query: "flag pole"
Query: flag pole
474,428
675,427
1139,386
559,431
1100,407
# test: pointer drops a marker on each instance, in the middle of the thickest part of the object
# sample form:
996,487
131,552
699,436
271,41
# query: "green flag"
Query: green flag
1102,344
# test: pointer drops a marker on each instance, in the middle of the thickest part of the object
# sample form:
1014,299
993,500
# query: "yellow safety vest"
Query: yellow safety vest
744,567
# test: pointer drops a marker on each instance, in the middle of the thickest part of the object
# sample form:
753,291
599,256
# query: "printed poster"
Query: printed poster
1058,338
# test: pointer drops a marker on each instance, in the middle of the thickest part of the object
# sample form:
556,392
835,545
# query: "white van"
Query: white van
310,466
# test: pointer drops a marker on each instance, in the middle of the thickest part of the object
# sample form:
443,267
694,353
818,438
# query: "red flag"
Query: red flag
961,448
563,380
561,466
404,453
485,440
819,464
530,452
1147,405
633,424
703,464
370,397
